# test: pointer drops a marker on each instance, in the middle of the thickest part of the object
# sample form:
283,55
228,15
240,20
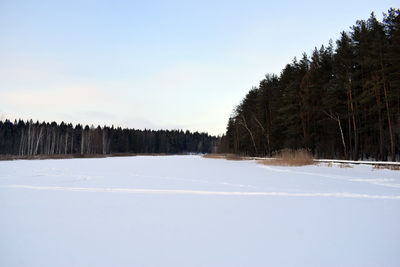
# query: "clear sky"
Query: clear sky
154,64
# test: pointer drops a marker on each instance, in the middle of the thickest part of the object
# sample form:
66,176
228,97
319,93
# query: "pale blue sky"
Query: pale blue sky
154,64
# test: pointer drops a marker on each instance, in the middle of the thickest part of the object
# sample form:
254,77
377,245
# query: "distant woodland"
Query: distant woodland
33,138
342,101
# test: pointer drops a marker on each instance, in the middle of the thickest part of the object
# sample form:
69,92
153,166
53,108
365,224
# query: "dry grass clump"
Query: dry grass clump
288,157
223,156
340,165
344,165
214,156
388,167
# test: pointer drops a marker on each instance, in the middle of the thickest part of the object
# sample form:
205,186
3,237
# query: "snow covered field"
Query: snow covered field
192,211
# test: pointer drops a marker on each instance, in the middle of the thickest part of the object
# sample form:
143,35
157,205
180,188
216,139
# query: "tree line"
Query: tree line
28,138
342,101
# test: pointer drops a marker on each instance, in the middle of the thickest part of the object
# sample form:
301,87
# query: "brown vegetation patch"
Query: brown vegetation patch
289,157
345,165
387,167
340,165
214,156
223,156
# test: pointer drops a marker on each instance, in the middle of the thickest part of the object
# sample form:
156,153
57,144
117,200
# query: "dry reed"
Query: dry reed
387,167
287,157
223,156
345,165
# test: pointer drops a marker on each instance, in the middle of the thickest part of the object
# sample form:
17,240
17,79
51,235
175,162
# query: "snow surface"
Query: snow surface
192,211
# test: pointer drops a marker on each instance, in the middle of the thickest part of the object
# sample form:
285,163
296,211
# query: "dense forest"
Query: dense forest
343,101
29,138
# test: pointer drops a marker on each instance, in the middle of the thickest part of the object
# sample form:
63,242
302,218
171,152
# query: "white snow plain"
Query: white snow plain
193,211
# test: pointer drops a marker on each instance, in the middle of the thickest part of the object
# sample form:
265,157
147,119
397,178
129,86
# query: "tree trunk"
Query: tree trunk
82,142
244,124
337,119
38,141
266,133
350,97
380,123
392,150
